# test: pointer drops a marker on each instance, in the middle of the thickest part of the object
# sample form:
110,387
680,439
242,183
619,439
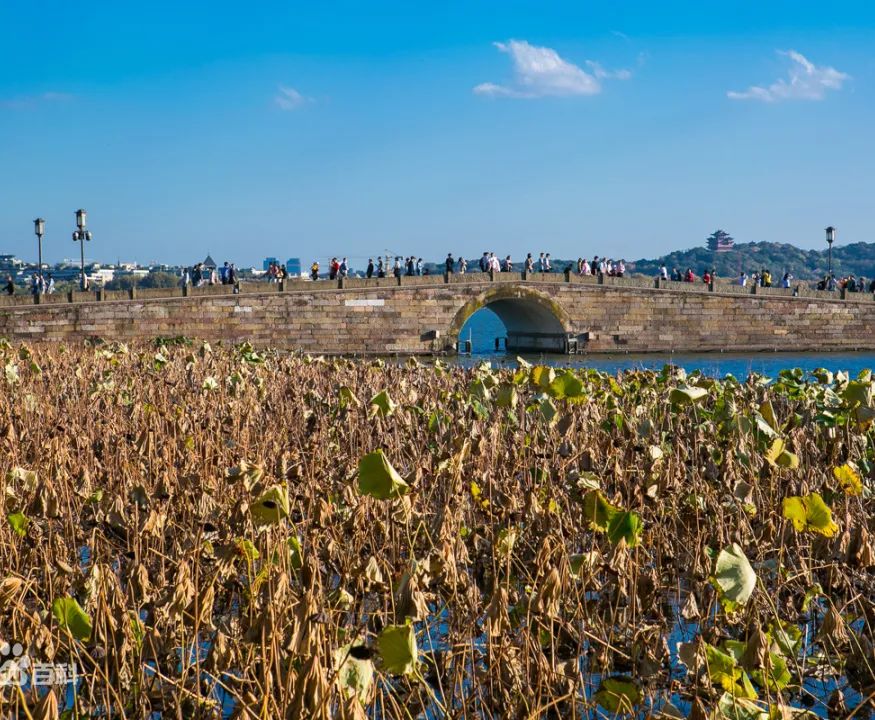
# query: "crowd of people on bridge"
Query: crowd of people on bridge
39,284
848,283
599,266
490,262
200,275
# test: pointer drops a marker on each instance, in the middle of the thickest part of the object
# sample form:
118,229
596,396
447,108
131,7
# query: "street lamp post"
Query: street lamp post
81,236
39,227
830,239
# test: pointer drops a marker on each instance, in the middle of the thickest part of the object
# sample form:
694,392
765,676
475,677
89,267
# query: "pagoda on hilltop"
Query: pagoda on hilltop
720,241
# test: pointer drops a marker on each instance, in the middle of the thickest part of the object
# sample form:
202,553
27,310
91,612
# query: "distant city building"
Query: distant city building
720,241
293,267
209,263
10,262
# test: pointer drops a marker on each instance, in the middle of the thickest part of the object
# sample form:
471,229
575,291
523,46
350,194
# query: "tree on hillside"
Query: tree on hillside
803,264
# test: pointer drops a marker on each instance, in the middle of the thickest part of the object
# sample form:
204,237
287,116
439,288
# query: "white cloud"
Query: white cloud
805,81
603,74
32,101
290,99
541,72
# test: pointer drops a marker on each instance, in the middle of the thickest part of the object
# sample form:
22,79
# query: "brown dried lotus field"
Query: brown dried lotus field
225,532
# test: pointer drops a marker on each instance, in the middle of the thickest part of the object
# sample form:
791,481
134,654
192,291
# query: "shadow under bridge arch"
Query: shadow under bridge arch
533,322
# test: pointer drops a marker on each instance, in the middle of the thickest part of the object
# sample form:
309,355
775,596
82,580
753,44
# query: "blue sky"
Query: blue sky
347,128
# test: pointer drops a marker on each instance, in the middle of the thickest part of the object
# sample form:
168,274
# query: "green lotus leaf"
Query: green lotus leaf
625,525
397,647
776,677
787,636
382,404
346,397
767,412
507,396
355,671
567,385
504,544
618,694
734,575
723,670
597,510
686,395
541,376
810,513
272,507
548,411
72,617
19,522
296,552
859,397
379,479
777,455
247,550
848,478
763,427
479,390
730,707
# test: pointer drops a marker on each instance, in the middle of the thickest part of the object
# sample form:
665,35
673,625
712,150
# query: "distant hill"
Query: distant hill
856,259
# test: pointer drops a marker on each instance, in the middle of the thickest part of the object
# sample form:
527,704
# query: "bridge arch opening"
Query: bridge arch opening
512,321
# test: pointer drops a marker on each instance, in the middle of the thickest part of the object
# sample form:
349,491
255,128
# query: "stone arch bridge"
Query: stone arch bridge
542,313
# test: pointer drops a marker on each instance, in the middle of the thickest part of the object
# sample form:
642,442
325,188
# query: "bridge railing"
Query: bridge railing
800,291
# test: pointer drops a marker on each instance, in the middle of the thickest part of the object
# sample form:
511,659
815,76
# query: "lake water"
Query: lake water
484,326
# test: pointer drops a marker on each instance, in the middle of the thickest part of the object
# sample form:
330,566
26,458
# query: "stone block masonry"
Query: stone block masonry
425,315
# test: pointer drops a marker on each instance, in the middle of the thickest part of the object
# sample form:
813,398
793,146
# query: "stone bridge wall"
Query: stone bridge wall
425,314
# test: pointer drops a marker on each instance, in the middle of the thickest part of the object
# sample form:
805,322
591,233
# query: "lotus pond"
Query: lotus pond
209,532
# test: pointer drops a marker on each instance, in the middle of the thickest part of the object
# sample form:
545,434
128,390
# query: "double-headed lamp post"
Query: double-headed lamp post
830,239
39,227
80,236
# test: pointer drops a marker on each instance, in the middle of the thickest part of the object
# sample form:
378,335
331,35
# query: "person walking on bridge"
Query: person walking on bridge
369,273
530,263
9,288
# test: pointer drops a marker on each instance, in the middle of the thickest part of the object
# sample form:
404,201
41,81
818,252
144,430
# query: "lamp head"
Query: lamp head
81,216
830,234
39,227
